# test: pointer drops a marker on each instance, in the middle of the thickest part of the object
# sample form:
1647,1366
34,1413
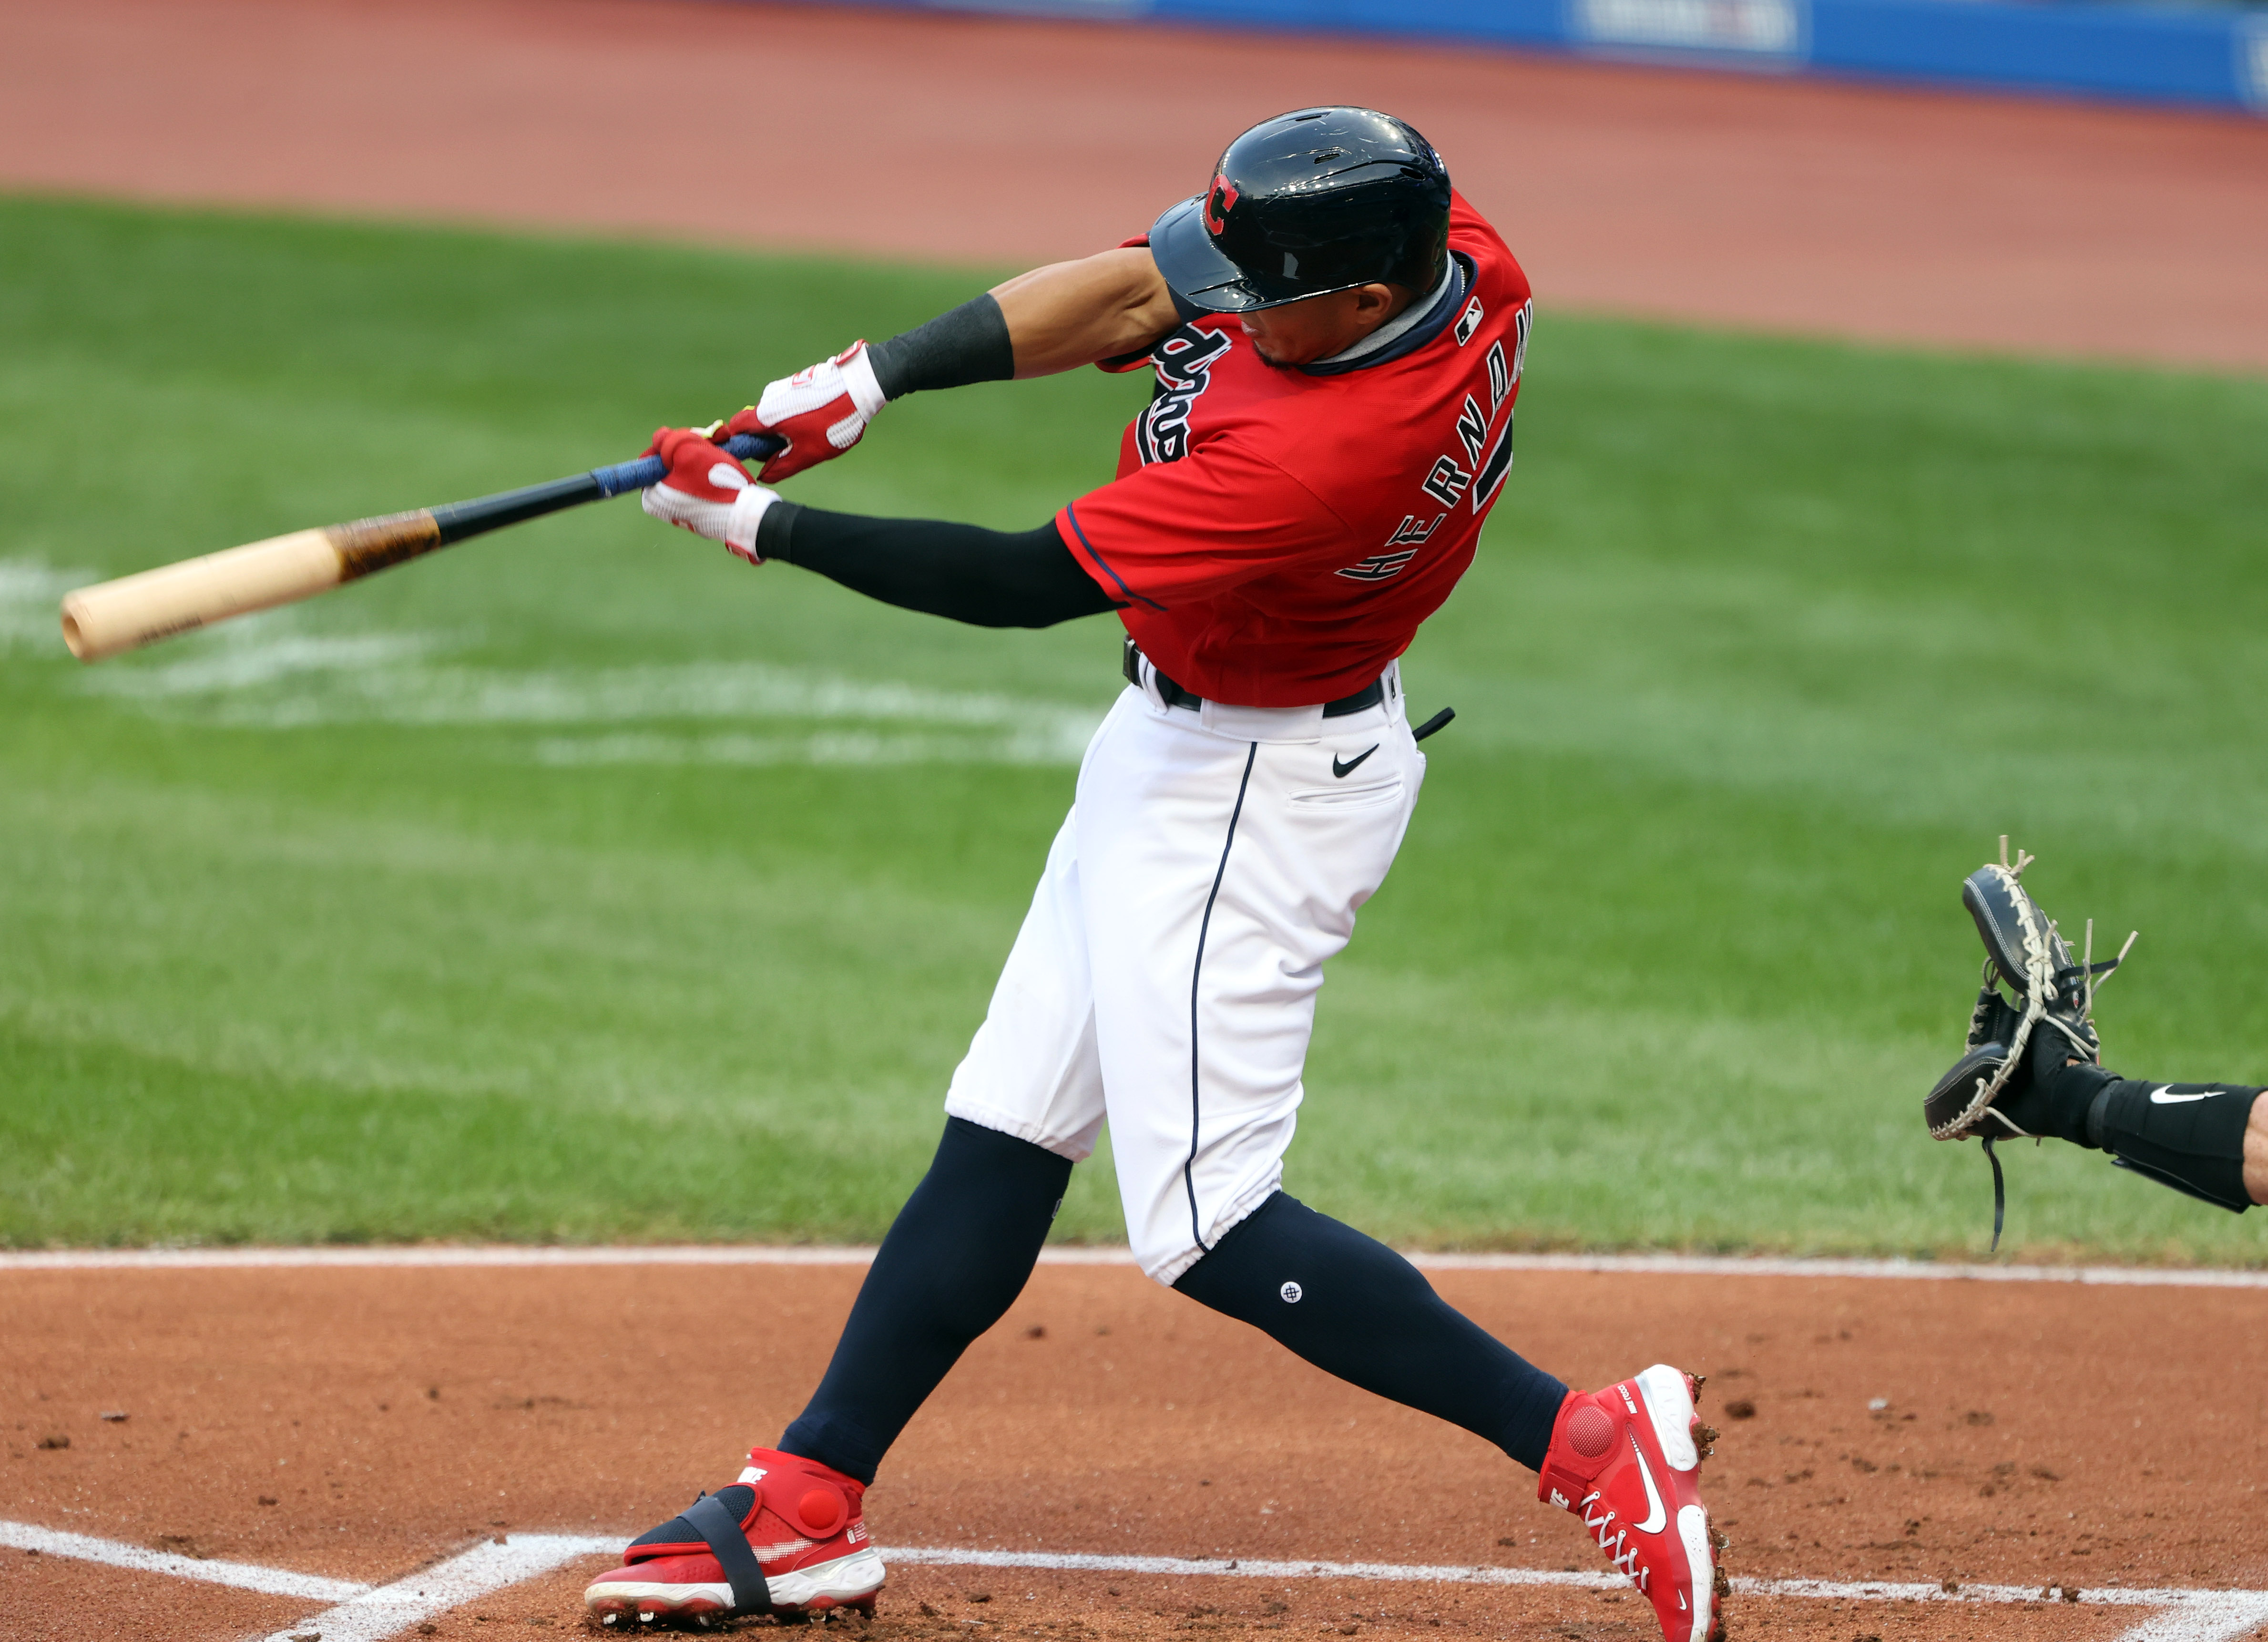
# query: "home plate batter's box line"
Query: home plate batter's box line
363,1613
446,1255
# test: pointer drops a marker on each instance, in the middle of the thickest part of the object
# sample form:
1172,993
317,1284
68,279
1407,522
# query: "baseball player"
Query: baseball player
2033,1069
1337,341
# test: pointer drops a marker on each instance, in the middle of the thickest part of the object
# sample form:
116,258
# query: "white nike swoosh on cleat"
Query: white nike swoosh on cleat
2162,1095
1657,1514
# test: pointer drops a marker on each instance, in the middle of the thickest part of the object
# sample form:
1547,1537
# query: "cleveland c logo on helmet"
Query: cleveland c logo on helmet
1219,202
1311,201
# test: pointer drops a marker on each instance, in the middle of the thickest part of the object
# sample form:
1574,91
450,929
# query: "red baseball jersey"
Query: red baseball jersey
1276,533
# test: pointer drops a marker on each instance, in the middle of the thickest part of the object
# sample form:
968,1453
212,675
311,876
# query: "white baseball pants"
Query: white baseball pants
1165,978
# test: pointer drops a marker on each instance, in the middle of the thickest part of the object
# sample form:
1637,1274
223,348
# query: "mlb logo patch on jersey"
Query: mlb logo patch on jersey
1468,322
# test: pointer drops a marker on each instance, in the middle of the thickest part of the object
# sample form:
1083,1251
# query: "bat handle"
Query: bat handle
650,470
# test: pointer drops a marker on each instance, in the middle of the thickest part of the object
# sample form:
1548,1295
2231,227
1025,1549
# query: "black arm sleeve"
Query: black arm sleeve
966,344
964,572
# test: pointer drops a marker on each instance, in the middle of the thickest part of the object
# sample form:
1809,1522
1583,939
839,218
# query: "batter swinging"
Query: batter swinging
1337,341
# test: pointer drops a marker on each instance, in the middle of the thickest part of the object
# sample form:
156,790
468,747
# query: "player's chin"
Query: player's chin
1276,353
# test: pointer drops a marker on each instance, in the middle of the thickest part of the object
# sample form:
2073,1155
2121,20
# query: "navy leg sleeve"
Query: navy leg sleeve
955,1261
1355,1308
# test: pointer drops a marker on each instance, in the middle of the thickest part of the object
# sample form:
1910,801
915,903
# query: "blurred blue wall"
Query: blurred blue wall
2215,56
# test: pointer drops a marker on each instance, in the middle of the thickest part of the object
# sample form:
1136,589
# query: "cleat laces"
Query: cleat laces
1618,1552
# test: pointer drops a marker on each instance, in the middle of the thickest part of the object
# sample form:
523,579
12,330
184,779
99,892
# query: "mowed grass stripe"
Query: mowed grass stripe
1768,641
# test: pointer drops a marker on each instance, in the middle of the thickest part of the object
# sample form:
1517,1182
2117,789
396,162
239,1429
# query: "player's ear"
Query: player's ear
1376,303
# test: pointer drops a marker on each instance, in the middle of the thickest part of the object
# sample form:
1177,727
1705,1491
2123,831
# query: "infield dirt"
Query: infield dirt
360,1423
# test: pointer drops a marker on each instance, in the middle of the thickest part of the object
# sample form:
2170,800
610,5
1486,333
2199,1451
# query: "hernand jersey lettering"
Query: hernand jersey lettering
1447,482
1495,469
1378,566
1472,426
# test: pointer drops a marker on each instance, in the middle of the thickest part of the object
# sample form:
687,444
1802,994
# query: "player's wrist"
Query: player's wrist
866,389
961,346
774,532
744,520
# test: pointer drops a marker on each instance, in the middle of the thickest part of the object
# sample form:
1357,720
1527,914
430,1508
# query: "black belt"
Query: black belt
1173,695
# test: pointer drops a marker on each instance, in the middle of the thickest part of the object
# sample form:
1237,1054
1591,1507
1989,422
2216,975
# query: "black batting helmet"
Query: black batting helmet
1314,201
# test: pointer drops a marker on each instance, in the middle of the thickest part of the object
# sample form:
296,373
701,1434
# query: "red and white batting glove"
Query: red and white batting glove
821,412
706,491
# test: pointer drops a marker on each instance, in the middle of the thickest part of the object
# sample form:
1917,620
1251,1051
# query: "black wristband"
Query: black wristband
775,530
967,345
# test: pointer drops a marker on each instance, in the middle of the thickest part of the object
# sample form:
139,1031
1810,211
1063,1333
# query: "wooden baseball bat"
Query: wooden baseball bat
112,616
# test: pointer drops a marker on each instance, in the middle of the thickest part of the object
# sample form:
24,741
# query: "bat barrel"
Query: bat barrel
134,610
104,619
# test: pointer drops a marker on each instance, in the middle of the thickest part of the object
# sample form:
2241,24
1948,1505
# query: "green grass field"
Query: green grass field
582,883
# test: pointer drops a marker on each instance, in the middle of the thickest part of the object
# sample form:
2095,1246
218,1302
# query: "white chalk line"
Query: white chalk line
363,1613
266,674
273,672
443,1255
29,593
243,1575
387,1610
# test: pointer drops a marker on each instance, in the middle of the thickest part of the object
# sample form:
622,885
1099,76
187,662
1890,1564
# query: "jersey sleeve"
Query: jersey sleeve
1178,531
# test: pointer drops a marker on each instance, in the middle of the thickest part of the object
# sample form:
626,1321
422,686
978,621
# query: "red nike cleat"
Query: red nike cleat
786,1539
1627,1460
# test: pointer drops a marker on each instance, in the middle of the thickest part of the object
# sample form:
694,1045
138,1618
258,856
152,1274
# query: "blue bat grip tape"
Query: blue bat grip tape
650,470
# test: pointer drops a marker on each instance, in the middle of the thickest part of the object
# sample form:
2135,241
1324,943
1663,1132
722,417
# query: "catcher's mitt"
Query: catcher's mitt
2049,1023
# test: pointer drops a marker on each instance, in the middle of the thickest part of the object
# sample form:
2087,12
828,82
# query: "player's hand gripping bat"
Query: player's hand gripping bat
118,615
